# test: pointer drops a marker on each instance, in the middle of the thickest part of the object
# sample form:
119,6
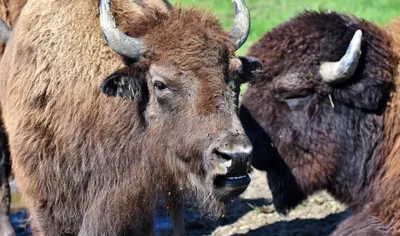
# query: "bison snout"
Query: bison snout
232,152
236,154
231,158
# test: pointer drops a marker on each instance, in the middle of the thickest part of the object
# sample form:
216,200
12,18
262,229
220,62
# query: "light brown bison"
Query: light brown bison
327,106
91,164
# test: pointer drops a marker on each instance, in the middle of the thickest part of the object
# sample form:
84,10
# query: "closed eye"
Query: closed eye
295,94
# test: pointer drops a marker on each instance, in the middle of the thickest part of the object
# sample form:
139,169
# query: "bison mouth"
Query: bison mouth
230,186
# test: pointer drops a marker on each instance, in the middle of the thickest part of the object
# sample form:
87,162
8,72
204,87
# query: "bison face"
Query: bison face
191,119
314,113
184,79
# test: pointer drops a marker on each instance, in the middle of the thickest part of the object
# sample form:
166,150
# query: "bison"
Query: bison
94,139
325,115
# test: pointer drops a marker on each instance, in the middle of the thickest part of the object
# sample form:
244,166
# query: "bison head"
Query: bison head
182,73
317,110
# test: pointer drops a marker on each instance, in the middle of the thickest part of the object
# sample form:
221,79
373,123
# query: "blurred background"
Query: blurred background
266,14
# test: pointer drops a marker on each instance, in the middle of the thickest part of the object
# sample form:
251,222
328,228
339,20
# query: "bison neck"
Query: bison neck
360,163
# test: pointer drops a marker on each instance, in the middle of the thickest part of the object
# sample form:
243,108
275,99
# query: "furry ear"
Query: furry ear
251,69
125,84
365,94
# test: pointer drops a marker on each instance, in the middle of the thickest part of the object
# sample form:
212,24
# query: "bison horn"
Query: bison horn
4,31
337,72
121,43
241,27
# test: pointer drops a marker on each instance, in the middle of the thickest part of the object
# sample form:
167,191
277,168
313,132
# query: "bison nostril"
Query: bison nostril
227,153
223,155
233,152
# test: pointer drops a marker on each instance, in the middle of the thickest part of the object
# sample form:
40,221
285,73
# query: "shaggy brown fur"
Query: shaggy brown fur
306,143
92,165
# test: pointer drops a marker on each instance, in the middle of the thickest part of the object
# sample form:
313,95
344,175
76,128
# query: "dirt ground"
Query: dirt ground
251,214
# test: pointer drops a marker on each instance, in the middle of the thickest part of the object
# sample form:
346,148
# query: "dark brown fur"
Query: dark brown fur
91,164
350,149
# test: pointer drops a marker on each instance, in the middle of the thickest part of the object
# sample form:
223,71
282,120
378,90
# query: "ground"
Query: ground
251,214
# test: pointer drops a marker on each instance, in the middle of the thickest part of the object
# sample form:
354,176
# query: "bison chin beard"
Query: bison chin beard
213,191
203,190
212,198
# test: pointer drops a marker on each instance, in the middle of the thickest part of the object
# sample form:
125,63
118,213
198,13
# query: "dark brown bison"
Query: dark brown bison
90,164
326,110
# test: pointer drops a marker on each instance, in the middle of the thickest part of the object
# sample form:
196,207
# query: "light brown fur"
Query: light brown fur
87,163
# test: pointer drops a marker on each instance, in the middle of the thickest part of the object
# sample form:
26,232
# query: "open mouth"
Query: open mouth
231,186
234,181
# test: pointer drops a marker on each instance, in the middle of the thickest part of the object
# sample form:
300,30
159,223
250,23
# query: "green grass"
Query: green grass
265,14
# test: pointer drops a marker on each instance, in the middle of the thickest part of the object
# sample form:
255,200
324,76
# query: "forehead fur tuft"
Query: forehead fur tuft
183,36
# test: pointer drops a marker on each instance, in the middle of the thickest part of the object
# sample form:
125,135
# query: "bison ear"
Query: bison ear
368,94
124,84
251,69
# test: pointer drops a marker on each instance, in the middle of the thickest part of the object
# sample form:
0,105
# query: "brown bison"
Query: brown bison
325,115
91,164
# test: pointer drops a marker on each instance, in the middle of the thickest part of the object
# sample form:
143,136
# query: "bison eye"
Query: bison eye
160,85
295,94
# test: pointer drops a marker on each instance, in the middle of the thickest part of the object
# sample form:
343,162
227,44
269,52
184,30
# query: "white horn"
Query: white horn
340,71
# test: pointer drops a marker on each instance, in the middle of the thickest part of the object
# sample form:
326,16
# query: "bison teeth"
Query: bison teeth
236,177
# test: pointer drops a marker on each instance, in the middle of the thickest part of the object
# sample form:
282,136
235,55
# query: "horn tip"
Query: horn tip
358,35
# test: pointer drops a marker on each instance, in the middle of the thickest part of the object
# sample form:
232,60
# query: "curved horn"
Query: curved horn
5,31
121,43
340,71
241,26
